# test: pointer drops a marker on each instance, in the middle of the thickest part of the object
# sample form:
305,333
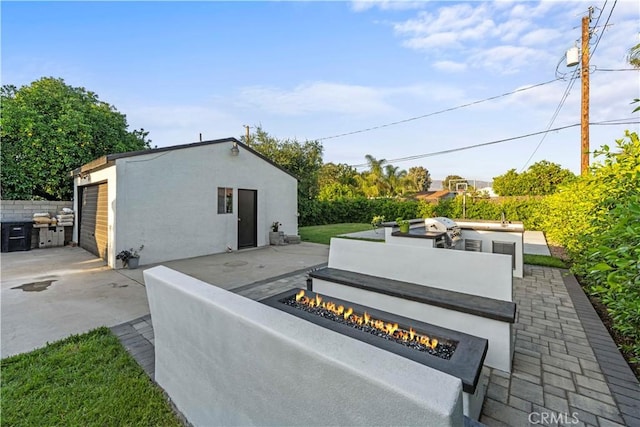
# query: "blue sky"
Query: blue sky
314,70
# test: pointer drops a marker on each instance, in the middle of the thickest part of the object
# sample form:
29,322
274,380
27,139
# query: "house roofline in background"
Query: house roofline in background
109,160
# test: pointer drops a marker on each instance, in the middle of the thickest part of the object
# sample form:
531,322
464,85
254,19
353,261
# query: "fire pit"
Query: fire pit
452,352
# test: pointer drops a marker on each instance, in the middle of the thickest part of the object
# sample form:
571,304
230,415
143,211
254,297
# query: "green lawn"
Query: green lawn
87,380
544,260
324,233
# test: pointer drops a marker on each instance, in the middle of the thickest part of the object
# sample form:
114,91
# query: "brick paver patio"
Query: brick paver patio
566,368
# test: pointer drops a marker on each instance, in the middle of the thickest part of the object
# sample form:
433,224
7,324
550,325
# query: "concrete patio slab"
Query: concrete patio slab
373,234
235,269
535,243
49,294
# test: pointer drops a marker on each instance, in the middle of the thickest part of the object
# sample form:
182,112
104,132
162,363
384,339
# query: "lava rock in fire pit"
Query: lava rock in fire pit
378,327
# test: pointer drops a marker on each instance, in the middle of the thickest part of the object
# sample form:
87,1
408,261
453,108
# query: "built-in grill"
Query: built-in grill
446,225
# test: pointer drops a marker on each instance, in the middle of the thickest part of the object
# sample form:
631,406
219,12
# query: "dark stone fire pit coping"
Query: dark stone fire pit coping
465,364
490,308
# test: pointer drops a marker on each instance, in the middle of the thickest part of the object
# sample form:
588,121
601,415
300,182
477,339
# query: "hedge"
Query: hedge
316,212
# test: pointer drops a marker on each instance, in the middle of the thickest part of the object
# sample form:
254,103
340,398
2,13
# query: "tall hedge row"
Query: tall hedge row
319,212
607,254
316,212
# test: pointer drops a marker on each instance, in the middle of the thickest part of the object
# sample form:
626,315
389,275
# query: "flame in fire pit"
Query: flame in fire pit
391,329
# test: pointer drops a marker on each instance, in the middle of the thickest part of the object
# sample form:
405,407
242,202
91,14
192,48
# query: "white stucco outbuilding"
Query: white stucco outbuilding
182,201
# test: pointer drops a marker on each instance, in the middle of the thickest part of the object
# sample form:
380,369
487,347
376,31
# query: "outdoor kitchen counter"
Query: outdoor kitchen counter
485,225
420,233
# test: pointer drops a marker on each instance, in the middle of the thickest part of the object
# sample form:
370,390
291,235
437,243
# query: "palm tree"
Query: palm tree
634,56
394,180
372,182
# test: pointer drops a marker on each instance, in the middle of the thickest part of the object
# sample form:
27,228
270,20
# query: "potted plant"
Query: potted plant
403,224
130,258
377,222
275,234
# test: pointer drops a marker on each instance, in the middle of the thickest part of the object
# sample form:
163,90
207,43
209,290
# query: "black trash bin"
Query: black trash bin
16,236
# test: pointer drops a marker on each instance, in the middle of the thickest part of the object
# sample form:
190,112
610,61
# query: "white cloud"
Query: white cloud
448,19
363,5
439,40
510,30
450,66
540,36
317,97
495,35
427,92
530,10
626,9
613,48
611,96
450,27
508,59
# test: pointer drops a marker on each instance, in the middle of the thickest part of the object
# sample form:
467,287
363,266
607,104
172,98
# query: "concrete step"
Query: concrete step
292,239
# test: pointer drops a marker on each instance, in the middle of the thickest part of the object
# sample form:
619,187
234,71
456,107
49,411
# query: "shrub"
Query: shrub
320,212
609,258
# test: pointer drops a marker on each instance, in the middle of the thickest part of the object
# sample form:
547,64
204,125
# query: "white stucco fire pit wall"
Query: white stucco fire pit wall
227,360
473,273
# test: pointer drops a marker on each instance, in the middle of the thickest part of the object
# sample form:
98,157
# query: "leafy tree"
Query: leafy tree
507,184
337,191
303,160
455,178
541,178
50,128
418,179
338,181
341,173
544,177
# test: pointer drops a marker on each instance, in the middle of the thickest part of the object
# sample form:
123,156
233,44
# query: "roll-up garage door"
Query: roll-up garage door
93,220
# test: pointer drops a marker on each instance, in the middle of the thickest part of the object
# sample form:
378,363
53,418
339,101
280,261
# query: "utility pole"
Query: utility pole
247,128
584,117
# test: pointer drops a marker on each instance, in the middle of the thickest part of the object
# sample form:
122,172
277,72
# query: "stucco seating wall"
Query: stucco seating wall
409,282
227,360
457,301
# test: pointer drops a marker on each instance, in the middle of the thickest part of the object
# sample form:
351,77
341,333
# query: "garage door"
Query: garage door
93,220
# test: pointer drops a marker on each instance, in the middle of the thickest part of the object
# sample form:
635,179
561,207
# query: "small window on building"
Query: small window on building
225,200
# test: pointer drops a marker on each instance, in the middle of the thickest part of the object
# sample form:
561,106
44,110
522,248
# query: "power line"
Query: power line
563,99
571,82
614,69
604,6
437,112
615,124
484,144
593,51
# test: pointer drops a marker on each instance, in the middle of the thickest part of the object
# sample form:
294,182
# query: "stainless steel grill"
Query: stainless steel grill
446,225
